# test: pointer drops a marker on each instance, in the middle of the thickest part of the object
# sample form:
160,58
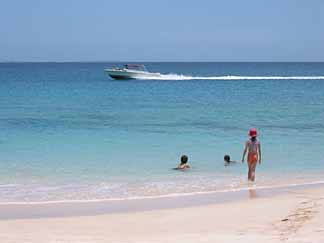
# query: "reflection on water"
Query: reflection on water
252,194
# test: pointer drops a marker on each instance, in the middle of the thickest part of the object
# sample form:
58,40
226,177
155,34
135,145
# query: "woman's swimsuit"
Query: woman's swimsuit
253,151
252,157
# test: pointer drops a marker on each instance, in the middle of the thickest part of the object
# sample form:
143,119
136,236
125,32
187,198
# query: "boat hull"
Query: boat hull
126,74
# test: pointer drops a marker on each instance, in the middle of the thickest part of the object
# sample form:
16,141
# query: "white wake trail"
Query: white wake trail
229,77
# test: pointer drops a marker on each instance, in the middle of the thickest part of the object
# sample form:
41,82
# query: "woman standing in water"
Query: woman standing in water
253,147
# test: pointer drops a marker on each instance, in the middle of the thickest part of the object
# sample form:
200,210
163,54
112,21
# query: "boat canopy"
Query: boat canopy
138,67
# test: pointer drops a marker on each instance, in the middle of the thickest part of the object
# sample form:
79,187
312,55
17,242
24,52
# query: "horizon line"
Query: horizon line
109,61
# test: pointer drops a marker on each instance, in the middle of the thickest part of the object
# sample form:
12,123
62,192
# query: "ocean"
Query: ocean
69,132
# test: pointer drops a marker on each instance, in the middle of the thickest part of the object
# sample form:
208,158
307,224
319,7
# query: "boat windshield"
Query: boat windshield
137,67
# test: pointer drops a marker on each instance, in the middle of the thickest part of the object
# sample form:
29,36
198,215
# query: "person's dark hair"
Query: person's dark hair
184,159
227,158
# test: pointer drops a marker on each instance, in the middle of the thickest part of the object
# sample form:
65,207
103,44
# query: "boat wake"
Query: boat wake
229,77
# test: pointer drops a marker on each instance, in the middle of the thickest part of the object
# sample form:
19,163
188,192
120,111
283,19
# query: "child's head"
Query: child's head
227,158
184,159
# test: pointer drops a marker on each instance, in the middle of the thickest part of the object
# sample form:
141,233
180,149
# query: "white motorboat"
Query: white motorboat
131,71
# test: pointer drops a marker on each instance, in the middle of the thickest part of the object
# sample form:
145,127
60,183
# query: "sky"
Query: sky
162,30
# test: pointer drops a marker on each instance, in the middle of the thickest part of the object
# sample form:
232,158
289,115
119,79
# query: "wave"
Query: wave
170,195
229,77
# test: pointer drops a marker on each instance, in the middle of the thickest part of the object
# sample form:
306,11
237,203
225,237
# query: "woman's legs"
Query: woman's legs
252,162
251,173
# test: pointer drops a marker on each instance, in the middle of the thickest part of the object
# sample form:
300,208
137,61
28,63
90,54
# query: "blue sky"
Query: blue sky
162,30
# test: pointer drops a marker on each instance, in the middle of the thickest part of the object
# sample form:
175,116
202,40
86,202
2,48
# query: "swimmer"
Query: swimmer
183,163
228,161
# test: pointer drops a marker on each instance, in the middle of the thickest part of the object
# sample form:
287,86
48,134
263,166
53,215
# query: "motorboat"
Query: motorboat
131,71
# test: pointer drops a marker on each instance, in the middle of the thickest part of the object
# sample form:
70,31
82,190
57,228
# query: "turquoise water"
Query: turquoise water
70,132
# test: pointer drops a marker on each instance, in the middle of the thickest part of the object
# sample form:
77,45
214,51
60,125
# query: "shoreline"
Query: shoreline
170,195
72,208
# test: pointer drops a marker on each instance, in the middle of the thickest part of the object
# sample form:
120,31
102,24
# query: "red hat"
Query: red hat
253,132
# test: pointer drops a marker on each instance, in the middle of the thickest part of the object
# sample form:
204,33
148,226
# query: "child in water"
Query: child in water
183,163
253,147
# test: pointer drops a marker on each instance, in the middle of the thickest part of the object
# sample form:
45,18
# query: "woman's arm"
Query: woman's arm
259,148
245,149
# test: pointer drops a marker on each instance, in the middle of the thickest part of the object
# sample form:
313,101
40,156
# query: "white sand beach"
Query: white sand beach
295,217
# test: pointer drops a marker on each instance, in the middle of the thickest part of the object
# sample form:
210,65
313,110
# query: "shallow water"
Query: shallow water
70,132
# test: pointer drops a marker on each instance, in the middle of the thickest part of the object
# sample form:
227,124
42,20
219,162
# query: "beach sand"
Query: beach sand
295,217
